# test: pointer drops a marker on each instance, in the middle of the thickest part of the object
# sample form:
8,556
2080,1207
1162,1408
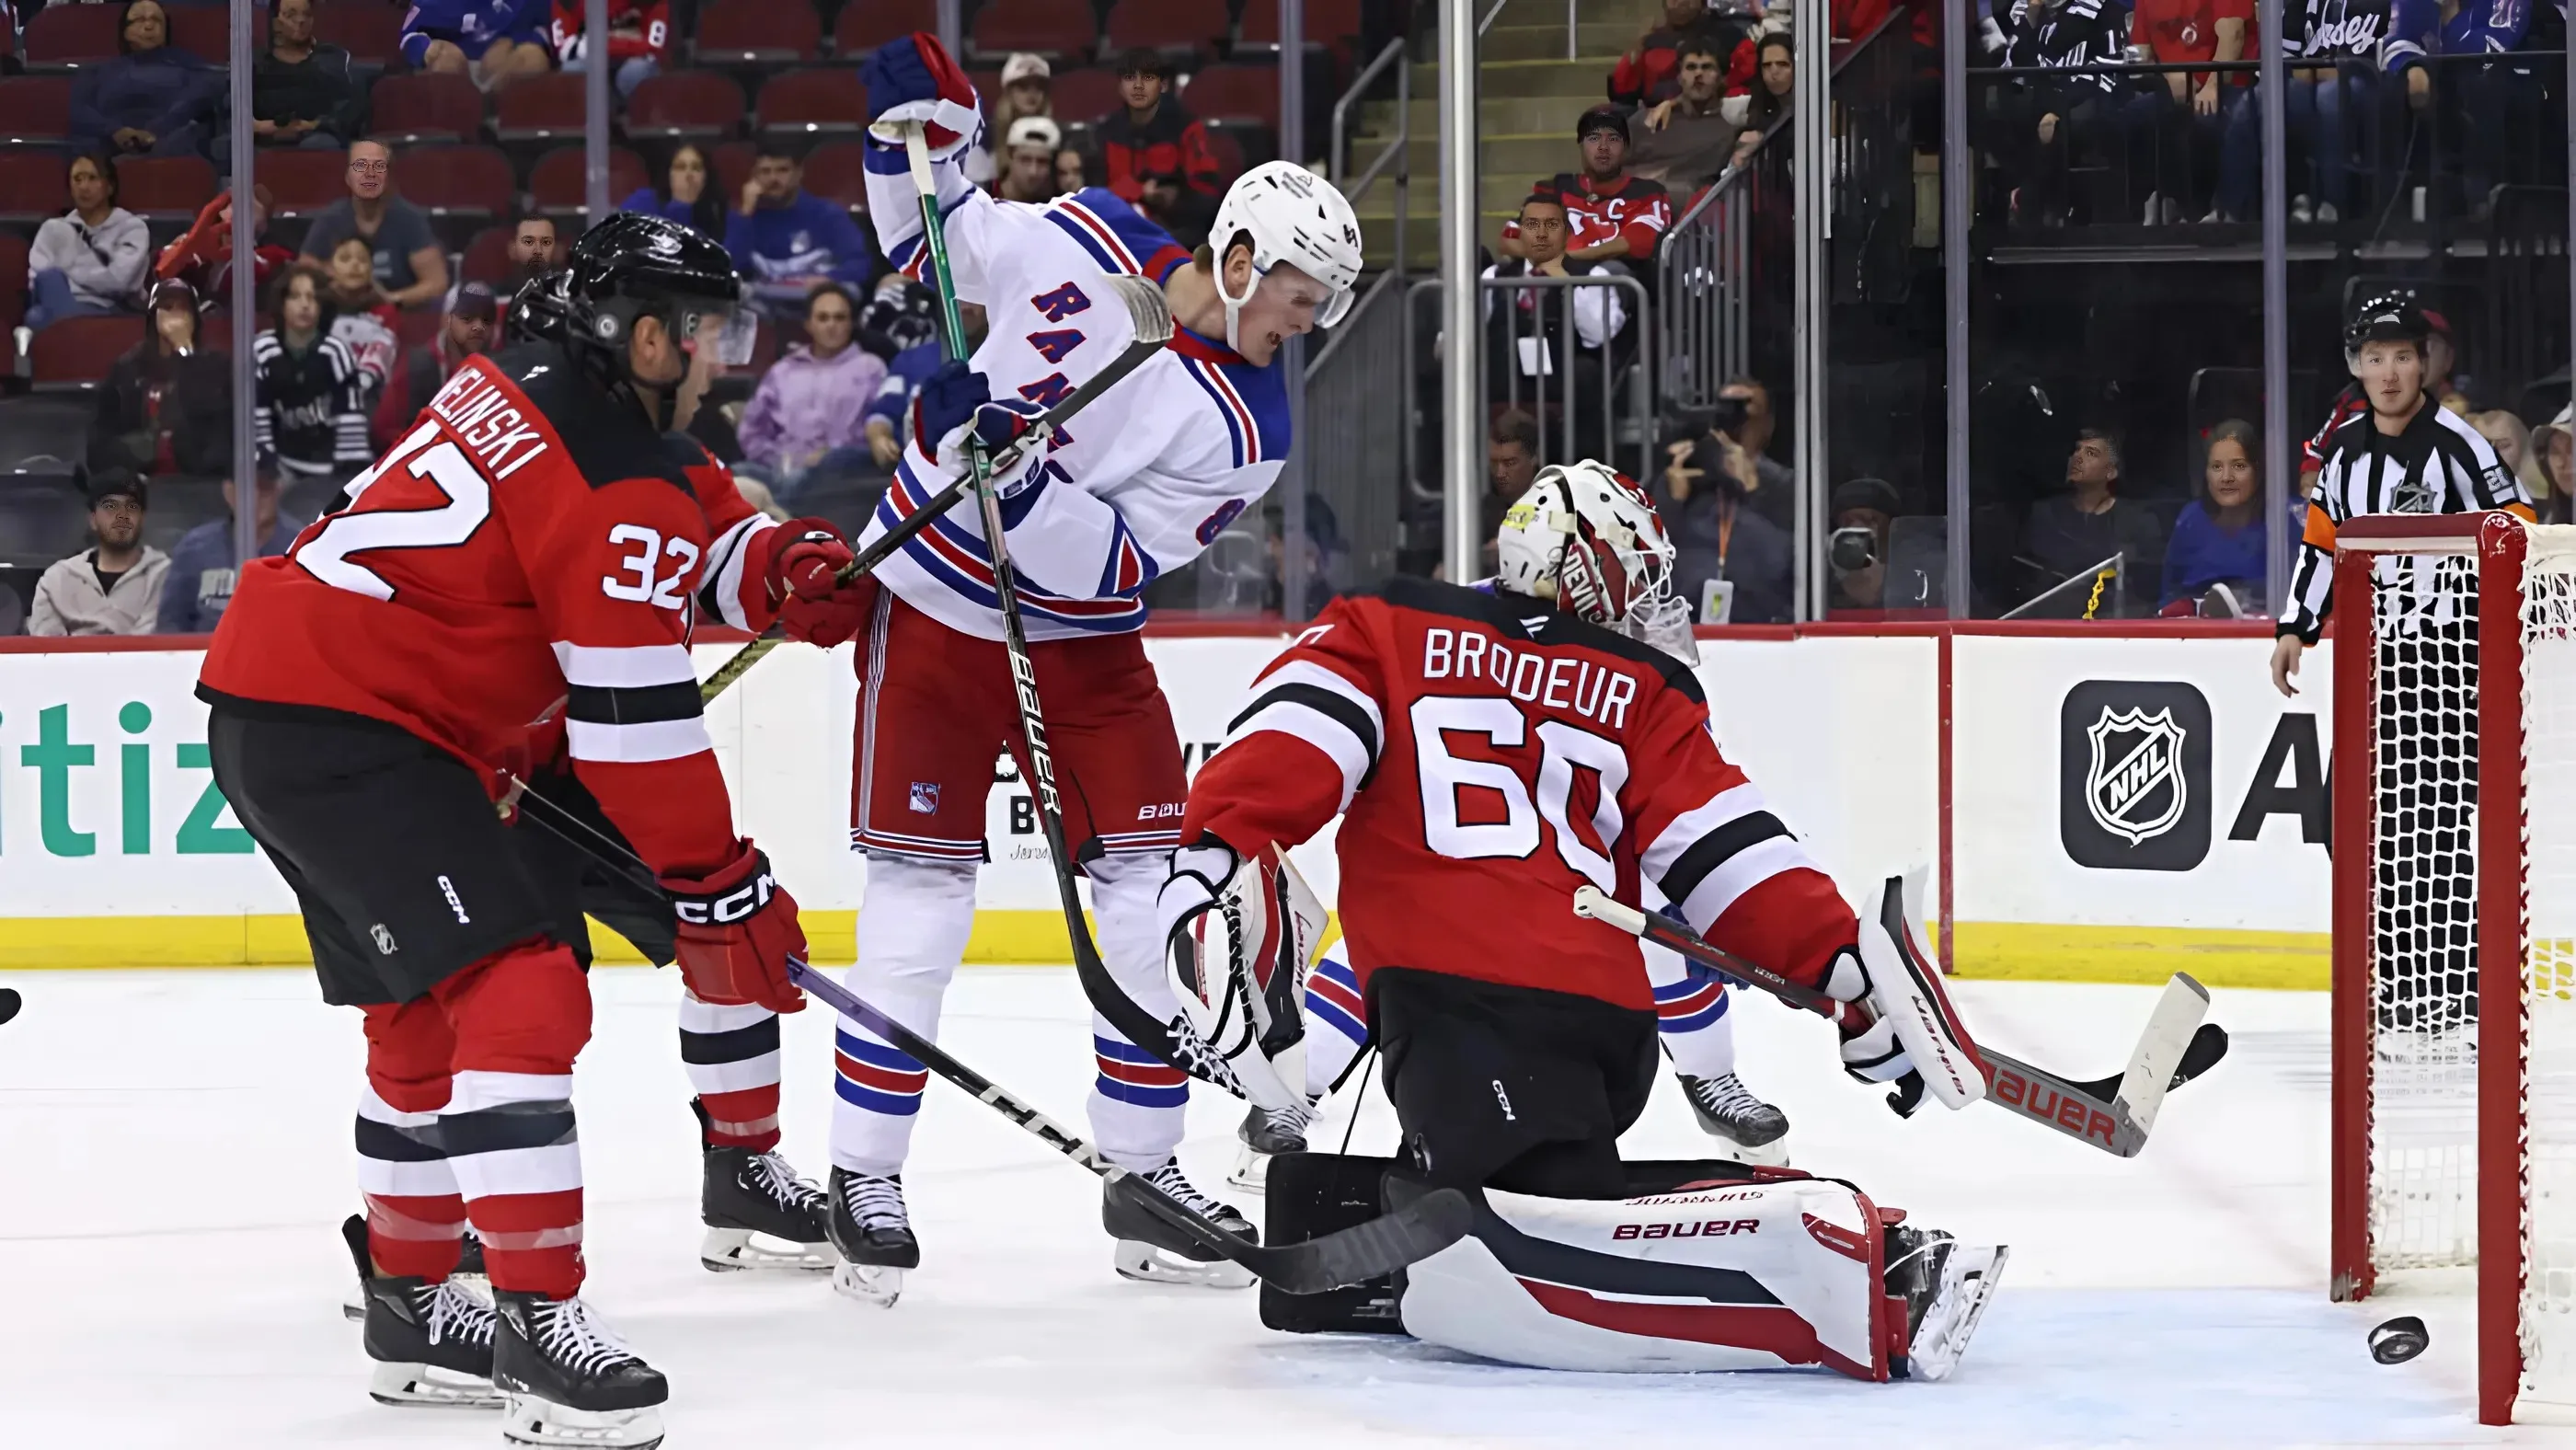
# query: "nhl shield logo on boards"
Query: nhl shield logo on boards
2133,775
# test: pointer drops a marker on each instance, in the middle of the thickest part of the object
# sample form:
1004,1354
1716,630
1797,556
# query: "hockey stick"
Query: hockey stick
1173,1042
2113,1114
1151,315
1340,1260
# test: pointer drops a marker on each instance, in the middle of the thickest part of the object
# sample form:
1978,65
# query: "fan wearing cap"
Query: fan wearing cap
1153,134
1028,161
114,587
1609,214
1139,485
166,406
469,330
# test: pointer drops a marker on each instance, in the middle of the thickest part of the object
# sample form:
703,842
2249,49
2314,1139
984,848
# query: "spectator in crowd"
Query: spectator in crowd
302,91
1529,344
202,257
1170,202
200,582
1687,140
1610,216
2555,442
420,371
2070,533
1028,161
112,587
312,398
1070,170
915,358
2512,444
489,42
1744,414
2331,106
351,277
1154,134
1511,466
534,251
91,260
2219,538
805,418
1864,516
166,406
1730,564
1650,73
2178,119
684,194
1026,80
2469,101
1775,81
639,39
361,319
153,99
1322,548
411,266
2048,119
787,239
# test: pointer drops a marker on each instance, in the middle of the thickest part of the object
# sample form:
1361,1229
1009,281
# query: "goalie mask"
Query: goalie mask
1585,537
1239,966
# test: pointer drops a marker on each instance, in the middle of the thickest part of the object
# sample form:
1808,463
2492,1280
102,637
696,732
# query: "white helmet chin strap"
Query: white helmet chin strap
1234,304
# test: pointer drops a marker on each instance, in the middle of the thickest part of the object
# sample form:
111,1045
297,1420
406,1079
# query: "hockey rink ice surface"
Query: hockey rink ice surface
175,1160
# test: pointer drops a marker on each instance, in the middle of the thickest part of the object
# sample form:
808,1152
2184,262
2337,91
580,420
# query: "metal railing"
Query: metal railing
1399,147
1626,367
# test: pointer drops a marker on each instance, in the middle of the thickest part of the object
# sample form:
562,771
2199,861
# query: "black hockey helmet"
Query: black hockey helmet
636,265
2387,315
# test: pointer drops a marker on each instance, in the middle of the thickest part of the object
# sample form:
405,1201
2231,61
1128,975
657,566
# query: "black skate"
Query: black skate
872,1230
1264,1134
353,1230
1728,1111
432,1344
1151,1252
759,1214
570,1382
1945,1285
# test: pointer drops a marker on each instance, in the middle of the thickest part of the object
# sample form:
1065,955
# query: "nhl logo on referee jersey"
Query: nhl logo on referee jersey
2134,775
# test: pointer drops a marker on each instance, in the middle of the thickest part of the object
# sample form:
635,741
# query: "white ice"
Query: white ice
176,1155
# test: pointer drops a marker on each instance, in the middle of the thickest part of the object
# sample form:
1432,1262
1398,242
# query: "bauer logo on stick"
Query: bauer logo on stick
2133,775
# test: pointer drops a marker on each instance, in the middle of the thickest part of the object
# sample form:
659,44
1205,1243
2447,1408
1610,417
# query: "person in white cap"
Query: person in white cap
1028,161
1026,80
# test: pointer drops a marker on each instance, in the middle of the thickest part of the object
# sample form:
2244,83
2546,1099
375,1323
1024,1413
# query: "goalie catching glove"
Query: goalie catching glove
1897,1023
1239,938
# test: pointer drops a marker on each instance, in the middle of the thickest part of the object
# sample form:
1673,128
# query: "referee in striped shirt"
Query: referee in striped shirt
2408,454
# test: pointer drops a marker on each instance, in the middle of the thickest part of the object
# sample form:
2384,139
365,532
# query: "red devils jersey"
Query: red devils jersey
528,552
1488,755
1596,213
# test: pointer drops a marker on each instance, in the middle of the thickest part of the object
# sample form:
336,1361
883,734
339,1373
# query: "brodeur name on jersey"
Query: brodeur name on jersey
520,560
1489,754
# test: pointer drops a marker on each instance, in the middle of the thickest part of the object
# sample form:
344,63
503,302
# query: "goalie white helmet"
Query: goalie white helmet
1293,216
1584,536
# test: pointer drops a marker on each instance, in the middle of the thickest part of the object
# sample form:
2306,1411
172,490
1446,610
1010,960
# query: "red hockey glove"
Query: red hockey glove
737,930
805,592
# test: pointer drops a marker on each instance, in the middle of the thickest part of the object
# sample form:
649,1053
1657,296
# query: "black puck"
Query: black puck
9,1003
2399,1340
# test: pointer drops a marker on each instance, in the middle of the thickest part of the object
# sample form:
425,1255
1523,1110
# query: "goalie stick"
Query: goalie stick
2113,1114
1340,1260
1151,314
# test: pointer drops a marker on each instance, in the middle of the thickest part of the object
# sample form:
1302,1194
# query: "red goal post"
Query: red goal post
2454,838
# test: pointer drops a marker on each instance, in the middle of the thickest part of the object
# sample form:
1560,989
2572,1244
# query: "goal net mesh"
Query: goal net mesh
2549,966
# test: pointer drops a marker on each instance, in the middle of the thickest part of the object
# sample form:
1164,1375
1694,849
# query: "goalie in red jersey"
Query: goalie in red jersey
1488,753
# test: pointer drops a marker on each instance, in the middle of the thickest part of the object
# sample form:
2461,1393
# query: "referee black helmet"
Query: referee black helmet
2386,316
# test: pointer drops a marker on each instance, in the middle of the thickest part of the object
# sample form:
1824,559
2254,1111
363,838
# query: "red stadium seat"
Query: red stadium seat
837,171
1241,93
32,186
542,108
165,188
420,326
458,181
426,107
1186,30
65,37
487,257
690,104
1084,97
1328,22
862,28
759,32
206,31
559,181
370,31
13,281
77,351
813,103
1045,27
1227,147
302,182
35,109
732,161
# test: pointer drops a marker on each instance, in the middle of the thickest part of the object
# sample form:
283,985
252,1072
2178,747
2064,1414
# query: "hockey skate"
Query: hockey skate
872,1230
1264,1134
1150,1252
1729,1112
432,1344
570,1383
353,1230
1946,1286
759,1214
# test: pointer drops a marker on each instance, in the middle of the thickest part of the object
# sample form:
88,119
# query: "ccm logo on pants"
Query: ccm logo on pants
1709,1230
729,908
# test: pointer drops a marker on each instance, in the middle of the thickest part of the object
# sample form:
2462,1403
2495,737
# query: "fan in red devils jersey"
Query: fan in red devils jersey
520,569
1488,754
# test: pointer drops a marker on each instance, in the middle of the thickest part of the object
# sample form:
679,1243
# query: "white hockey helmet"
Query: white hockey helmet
1293,216
1587,538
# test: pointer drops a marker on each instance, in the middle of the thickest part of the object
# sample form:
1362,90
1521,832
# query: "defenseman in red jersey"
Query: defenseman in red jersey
522,563
1488,754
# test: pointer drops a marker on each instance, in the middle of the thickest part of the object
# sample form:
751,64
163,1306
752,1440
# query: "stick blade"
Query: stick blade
2172,1030
1374,1249
1147,308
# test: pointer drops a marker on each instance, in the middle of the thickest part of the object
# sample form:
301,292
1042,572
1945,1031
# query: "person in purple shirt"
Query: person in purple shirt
2219,537
806,417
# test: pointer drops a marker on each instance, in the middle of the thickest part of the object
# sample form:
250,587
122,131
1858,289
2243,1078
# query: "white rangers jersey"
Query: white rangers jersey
1142,482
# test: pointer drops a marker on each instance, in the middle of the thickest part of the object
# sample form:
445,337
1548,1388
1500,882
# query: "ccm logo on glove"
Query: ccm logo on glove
735,905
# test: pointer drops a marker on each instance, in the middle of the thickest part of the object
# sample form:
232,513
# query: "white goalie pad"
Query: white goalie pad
1239,968
1766,1274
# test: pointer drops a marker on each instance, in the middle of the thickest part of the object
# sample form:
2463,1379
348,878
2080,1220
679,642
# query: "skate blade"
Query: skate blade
410,1385
353,1305
532,1421
1251,1170
1969,1282
1774,1154
731,1250
878,1285
1147,1264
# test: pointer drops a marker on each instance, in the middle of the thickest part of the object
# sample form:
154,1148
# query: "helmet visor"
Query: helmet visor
729,333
